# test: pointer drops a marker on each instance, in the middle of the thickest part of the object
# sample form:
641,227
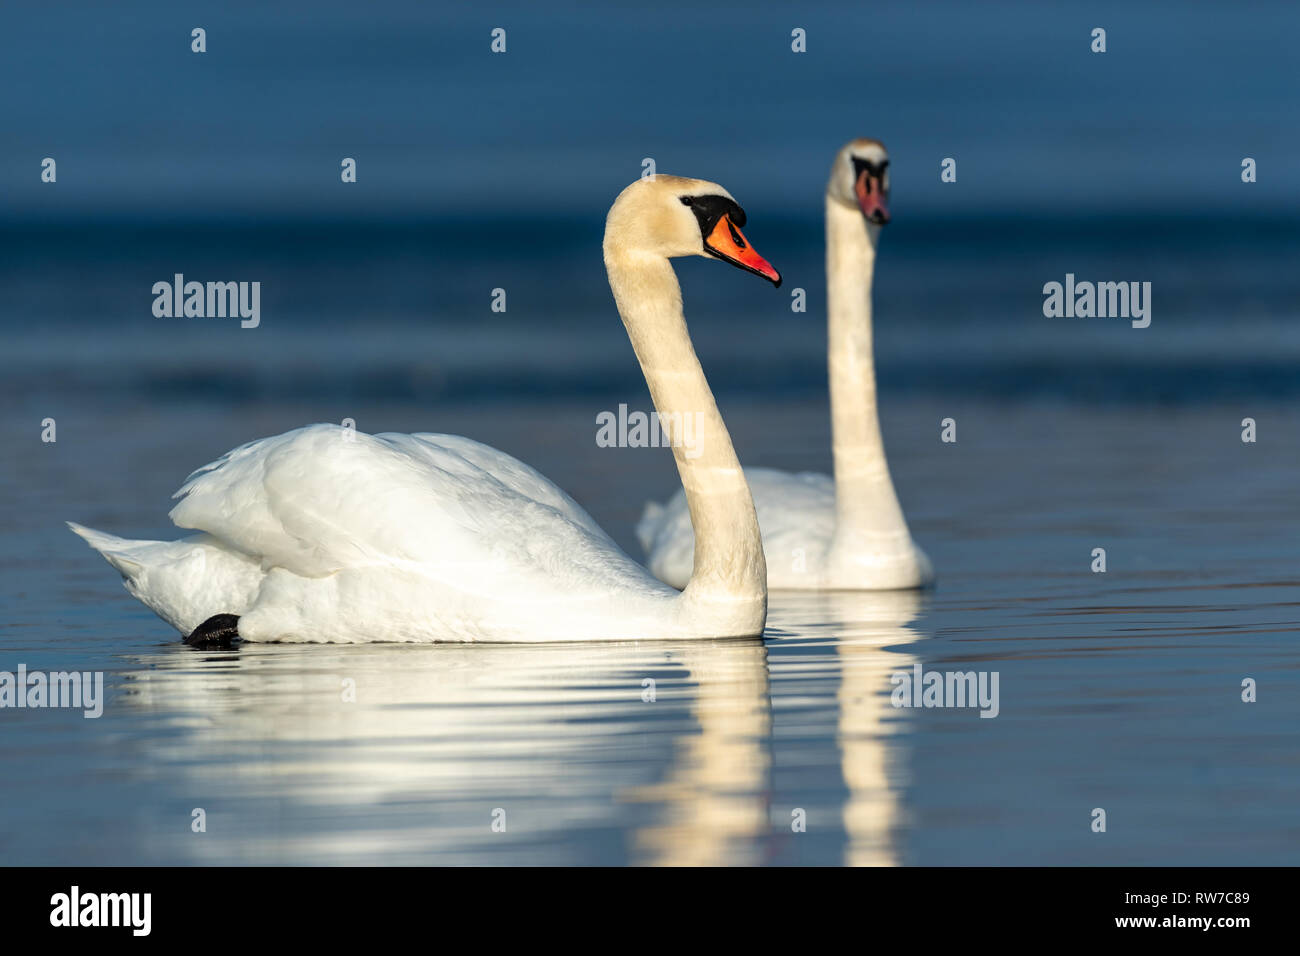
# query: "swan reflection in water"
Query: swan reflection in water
870,633
653,752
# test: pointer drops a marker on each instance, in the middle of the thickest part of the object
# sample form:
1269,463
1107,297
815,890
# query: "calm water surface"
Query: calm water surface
1119,691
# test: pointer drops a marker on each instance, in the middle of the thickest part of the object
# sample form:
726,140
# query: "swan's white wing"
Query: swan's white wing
433,522
510,471
796,514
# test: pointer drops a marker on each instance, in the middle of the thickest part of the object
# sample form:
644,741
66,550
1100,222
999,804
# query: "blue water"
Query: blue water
1119,690
564,118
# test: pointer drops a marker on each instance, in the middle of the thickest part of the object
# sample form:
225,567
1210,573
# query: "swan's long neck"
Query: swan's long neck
867,508
730,576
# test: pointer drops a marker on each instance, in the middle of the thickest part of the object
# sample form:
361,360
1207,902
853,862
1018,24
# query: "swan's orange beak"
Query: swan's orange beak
871,198
727,243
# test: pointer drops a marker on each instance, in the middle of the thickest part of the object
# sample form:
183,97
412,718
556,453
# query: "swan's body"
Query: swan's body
846,533
326,534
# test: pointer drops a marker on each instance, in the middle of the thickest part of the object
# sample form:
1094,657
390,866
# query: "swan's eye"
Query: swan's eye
710,209
876,171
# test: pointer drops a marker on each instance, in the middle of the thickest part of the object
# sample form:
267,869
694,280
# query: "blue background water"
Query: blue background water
479,171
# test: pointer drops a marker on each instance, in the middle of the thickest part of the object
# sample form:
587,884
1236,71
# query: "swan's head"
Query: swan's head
671,216
860,177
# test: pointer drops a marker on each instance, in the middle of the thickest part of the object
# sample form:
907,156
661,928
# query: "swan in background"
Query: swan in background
324,534
846,533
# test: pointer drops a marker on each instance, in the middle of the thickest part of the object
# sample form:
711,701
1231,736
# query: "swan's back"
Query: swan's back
321,499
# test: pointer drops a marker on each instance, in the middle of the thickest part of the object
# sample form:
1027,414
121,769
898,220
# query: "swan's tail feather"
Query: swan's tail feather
117,551
648,527
185,582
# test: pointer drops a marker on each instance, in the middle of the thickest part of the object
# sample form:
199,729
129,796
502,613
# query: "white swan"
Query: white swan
328,535
847,533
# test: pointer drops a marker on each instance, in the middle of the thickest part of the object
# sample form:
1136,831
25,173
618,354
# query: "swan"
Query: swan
845,533
328,535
